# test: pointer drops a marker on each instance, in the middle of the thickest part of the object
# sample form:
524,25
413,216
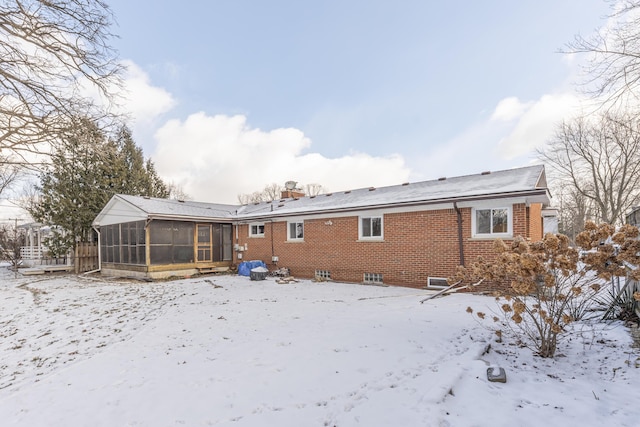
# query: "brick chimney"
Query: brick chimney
290,191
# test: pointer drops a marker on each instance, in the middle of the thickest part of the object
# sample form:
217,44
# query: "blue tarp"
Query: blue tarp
244,269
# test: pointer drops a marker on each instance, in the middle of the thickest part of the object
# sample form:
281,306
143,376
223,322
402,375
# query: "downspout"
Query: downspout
99,254
460,243
273,252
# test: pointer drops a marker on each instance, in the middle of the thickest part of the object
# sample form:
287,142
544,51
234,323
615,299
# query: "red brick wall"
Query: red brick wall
416,245
535,219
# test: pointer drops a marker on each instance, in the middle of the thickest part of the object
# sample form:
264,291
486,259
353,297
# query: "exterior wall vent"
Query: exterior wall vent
437,283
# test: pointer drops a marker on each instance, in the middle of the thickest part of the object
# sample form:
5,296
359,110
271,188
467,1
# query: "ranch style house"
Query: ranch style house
413,234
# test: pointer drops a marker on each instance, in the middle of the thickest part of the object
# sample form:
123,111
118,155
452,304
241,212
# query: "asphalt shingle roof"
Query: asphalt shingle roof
494,184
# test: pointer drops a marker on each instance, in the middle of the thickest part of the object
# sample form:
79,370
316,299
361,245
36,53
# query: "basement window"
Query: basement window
437,283
372,278
323,275
256,230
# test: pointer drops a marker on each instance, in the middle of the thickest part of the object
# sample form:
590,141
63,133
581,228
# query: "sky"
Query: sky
227,97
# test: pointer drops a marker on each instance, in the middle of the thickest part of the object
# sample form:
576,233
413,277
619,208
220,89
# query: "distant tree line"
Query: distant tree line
594,158
274,192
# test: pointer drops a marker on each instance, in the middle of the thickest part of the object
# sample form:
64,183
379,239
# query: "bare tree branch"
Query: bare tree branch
54,55
613,56
600,159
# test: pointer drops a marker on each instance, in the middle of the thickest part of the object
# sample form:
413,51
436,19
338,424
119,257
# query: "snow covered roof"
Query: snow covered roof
126,208
527,181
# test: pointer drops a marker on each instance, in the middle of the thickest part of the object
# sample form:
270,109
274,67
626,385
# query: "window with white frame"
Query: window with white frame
256,229
492,222
295,231
370,227
437,283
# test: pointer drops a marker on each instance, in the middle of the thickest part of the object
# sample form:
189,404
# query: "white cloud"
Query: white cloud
143,101
536,124
215,158
509,109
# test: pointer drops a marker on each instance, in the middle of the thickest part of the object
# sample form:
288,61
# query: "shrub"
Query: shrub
549,283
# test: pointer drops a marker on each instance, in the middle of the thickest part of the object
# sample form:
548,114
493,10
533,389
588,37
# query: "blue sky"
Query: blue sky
228,96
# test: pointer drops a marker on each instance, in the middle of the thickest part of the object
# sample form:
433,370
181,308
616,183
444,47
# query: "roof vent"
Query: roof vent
312,197
442,178
486,173
405,183
281,205
372,188
180,200
329,194
347,192
146,197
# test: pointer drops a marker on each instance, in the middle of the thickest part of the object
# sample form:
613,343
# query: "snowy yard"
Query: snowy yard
227,351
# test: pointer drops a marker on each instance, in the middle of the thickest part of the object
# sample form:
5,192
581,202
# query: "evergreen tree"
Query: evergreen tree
85,172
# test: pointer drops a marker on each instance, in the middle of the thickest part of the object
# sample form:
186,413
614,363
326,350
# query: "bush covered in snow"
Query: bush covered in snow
551,283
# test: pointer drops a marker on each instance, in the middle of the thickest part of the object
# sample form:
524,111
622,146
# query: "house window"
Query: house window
371,227
492,222
322,275
437,283
256,230
373,278
296,231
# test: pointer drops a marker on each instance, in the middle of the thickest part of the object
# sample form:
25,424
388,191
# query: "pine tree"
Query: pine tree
85,172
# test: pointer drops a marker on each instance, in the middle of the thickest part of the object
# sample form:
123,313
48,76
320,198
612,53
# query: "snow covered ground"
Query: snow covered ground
227,351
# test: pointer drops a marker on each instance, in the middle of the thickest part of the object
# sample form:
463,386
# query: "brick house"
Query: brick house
414,234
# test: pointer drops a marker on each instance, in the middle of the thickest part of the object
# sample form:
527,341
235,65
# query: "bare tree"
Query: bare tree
269,192
53,55
600,158
11,239
613,53
176,192
9,173
574,209
313,189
